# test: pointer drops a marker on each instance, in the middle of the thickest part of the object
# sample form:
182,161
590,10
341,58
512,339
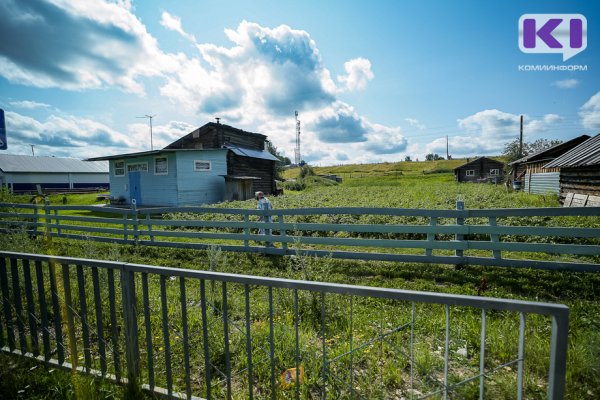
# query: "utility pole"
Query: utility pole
297,156
521,139
447,153
32,152
150,119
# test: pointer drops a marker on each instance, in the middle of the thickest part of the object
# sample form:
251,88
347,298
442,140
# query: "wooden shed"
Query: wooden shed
480,170
213,163
532,171
579,169
20,173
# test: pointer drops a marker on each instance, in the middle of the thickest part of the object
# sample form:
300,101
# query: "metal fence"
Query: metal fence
189,333
496,237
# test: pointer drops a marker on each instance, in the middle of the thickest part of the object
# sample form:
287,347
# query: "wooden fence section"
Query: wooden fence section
458,237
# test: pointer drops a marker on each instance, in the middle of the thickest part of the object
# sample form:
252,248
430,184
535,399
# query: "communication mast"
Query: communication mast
297,157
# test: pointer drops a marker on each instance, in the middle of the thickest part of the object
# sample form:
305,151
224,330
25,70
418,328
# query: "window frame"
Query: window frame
123,168
166,172
141,163
495,173
469,172
209,169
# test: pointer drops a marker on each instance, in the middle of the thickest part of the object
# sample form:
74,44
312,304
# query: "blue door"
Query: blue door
135,189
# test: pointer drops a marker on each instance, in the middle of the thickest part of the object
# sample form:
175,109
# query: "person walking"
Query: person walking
264,204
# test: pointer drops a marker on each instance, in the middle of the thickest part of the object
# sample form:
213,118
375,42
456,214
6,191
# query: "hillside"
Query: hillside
387,168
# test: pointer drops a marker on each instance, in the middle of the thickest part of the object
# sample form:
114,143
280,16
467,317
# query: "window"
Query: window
161,166
494,171
470,172
141,167
200,165
119,168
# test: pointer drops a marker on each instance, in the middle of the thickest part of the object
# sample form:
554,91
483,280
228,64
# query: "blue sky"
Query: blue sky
372,81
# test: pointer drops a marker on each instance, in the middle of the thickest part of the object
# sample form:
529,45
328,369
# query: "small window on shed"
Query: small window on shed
470,172
119,168
494,171
161,166
200,165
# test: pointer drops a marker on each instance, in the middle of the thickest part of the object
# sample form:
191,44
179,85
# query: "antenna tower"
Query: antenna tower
297,157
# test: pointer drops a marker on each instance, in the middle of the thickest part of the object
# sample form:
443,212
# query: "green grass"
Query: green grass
581,292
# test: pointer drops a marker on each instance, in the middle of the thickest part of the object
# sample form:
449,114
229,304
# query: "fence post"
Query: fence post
246,229
460,205
47,216
135,222
558,354
58,231
34,229
495,238
431,236
149,224
282,232
131,328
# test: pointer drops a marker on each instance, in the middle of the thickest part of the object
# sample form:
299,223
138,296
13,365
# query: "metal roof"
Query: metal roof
143,153
21,163
262,154
477,160
573,143
586,154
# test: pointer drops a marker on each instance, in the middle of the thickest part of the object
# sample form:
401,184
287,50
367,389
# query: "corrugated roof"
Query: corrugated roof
262,154
586,154
20,163
557,147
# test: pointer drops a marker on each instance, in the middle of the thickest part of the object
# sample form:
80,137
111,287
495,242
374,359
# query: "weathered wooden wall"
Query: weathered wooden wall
583,180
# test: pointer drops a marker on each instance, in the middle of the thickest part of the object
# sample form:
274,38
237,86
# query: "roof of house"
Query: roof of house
22,163
207,127
551,152
586,154
477,160
144,153
244,152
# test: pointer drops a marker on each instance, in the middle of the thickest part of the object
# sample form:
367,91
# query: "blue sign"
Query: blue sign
3,144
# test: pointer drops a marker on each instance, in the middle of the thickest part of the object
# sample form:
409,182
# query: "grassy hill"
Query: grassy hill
387,168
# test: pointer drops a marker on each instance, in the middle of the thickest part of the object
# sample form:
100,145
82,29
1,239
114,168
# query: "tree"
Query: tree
433,157
511,149
407,159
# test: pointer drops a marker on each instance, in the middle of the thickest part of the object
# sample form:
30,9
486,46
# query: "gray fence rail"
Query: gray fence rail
459,237
188,333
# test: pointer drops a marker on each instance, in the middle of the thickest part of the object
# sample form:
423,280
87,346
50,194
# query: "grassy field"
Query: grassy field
413,189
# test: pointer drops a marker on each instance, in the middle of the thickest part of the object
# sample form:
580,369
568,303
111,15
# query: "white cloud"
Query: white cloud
415,122
30,105
358,73
112,46
566,83
590,112
173,22
487,131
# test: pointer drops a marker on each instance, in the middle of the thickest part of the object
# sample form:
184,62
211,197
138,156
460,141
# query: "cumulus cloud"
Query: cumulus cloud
487,131
590,112
340,124
358,74
82,137
87,44
30,105
173,22
566,83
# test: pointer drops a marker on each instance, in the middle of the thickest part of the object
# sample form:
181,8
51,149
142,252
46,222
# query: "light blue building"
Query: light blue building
213,163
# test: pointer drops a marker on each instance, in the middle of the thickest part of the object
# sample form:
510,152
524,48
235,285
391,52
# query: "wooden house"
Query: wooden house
579,169
20,173
215,162
481,169
531,170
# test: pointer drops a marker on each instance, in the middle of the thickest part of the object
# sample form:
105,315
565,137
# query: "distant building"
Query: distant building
480,170
534,174
21,173
579,169
215,162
